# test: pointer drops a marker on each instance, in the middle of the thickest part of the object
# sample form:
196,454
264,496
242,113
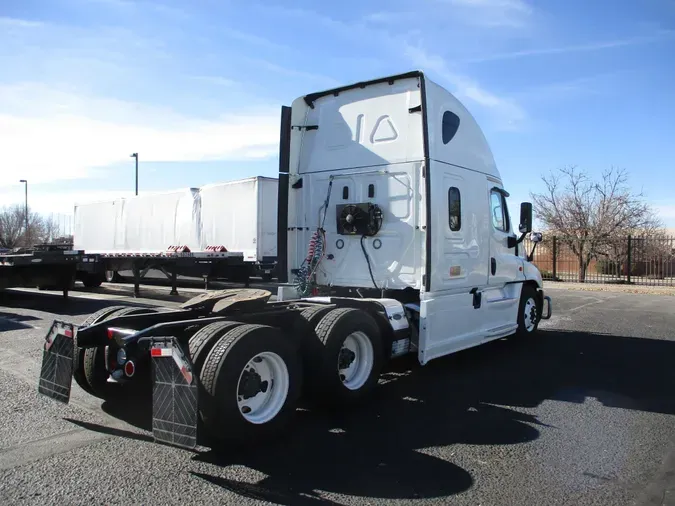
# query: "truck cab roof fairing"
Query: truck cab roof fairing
467,148
312,97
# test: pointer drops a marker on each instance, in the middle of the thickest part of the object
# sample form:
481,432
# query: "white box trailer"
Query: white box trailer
234,217
143,224
397,240
242,216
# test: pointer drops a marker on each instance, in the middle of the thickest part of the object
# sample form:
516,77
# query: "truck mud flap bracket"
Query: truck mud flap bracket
174,394
56,373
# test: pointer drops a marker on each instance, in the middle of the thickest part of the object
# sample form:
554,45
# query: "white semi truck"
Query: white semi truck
394,239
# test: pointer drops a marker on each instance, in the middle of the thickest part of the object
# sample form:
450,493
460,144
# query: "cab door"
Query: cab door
504,265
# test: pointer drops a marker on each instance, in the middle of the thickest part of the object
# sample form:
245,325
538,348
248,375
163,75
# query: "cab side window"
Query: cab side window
499,212
454,209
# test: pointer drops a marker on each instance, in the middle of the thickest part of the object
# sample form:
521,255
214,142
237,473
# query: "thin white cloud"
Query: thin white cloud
498,5
280,69
571,89
72,136
508,114
666,212
388,17
8,22
133,7
216,80
492,13
256,40
594,46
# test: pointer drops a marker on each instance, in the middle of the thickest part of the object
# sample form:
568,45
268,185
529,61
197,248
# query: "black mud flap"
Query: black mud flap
174,394
57,362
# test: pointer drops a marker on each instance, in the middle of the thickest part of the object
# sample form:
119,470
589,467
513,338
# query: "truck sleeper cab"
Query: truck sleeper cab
394,238
394,183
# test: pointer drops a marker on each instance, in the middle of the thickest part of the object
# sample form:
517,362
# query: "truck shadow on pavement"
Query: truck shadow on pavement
403,443
15,321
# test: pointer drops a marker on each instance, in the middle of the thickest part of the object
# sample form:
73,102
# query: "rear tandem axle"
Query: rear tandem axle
228,359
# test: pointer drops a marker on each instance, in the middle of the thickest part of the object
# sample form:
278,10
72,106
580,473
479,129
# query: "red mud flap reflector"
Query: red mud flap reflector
57,362
174,395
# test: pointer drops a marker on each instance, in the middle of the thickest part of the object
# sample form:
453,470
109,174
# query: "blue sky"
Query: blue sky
195,87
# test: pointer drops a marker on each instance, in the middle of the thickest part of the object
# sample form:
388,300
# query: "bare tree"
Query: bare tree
50,229
586,214
12,225
13,228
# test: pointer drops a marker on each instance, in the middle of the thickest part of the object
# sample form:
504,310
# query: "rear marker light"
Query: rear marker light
111,333
129,369
160,352
68,333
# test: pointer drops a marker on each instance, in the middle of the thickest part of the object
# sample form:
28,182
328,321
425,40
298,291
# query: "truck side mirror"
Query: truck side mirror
536,238
525,218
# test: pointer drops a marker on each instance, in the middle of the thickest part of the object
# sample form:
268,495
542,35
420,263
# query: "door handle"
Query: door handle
493,265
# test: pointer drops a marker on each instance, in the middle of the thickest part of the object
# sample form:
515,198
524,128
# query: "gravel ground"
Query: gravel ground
584,414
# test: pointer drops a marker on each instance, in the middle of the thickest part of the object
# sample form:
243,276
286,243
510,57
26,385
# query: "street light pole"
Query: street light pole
25,181
135,155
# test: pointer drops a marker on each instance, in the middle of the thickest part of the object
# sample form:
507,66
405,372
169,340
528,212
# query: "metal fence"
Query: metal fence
636,260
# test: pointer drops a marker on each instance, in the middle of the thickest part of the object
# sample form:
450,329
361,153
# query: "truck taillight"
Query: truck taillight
118,335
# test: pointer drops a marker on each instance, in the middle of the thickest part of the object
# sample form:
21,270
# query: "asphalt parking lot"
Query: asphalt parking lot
582,415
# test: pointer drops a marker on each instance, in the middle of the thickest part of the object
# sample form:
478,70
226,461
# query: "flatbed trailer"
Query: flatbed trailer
394,239
94,268
39,268
49,267
147,231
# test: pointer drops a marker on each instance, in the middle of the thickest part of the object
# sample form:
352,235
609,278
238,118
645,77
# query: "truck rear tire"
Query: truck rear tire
112,277
304,335
348,369
90,280
313,315
204,339
252,380
529,313
93,363
78,353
